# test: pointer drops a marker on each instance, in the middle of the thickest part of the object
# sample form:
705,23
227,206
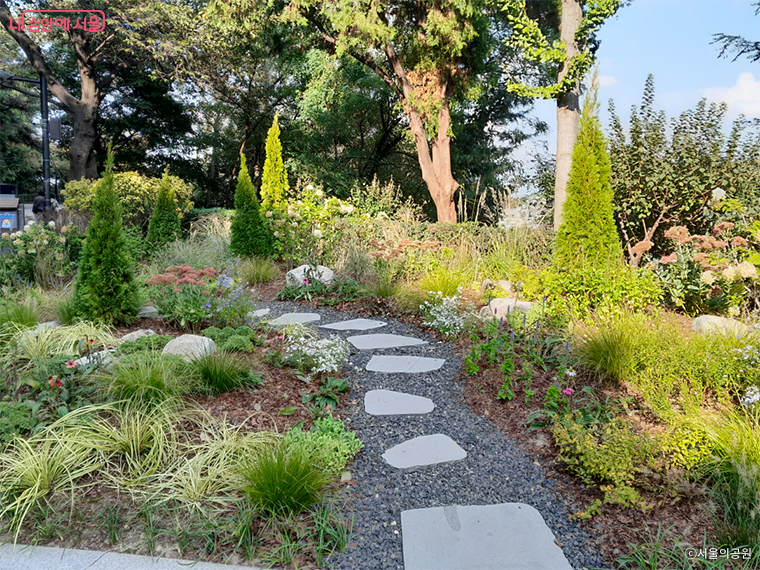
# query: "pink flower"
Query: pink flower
176,289
71,364
568,391
672,258
204,292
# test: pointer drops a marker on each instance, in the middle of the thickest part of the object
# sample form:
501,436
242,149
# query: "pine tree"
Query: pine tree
588,233
164,223
249,236
105,288
274,180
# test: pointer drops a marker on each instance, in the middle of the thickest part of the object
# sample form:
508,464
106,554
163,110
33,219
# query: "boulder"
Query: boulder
500,306
721,325
38,329
138,334
295,277
148,312
103,357
190,346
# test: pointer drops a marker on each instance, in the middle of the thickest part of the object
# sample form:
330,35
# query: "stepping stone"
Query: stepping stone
509,536
291,318
424,450
258,313
404,364
389,403
375,341
355,325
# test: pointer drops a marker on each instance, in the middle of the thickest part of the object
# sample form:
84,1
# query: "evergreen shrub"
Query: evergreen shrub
274,180
249,235
164,223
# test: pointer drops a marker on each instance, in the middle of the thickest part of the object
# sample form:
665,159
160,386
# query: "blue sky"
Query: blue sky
671,39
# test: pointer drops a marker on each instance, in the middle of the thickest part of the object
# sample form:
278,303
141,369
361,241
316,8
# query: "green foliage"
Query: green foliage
221,372
222,336
238,343
211,251
154,342
687,445
164,224
274,180
329,444
588,234
15,420
137,194
256,270
282,480
327,394
147,377
105,288
249,235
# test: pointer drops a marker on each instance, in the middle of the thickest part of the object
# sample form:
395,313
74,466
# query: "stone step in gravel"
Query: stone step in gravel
292,318
404,364
424,450
389,403
379,341
509,536
355,325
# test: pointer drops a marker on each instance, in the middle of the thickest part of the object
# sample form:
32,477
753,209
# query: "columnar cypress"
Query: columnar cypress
274,180
249,236
105,288
164,223
588,233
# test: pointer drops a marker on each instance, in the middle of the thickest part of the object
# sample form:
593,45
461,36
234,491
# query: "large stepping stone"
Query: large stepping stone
509,536
389,403
291,318
355,325
377,341
404,364
424,450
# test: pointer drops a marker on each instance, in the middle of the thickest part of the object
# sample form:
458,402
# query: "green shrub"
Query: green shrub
148,378
274,179
257,270
105,288
238,343
213,251
282,480
249,235
138,194
164,224
153,342
219,336
221,372
18,313
329,444
15,420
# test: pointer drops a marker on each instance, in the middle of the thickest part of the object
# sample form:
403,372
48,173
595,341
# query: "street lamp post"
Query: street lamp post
42,84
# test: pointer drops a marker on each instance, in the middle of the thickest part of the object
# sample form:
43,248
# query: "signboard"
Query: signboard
8,221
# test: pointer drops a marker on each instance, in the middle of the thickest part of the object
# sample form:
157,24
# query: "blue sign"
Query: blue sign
8,221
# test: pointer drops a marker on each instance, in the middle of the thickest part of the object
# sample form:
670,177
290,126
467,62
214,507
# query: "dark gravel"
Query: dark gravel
493,472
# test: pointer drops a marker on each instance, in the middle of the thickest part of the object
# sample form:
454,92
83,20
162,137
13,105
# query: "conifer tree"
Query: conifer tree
105,288
164,223
249,236
588,233
274,180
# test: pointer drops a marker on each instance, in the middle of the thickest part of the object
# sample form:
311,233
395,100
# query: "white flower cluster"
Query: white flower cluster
327,354
442,313
752,397
749,353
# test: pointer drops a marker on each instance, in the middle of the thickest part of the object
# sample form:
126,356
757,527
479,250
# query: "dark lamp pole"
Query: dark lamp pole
42,84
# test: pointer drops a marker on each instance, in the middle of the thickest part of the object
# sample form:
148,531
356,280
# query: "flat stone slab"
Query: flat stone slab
375,341
20,557
355,325
404,364
424,450
291,318
510,536
258,313
389,403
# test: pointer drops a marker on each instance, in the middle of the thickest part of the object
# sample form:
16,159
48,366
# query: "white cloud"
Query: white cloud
744,97
607,80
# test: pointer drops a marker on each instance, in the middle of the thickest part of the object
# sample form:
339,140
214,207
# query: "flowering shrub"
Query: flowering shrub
319,355
181,294
442,313
231,304
41,253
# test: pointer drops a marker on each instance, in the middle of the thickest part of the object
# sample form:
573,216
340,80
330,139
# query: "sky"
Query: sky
671,40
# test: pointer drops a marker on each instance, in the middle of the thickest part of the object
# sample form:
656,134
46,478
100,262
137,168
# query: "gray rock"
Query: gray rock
138,334
38,329
377,341
148,312
509,536
720,325
501,306
292,318
389,403
506,285
355,325
190,346
103,357
295,277
424,450
404,364
259,313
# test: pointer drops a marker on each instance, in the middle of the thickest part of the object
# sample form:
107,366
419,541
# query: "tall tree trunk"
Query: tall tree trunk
82,163
568,107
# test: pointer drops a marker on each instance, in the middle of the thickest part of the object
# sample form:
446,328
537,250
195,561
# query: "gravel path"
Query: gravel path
493,472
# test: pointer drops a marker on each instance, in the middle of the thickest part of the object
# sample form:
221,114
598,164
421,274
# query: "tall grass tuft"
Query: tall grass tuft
220,372
145,377
201,252
256,270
